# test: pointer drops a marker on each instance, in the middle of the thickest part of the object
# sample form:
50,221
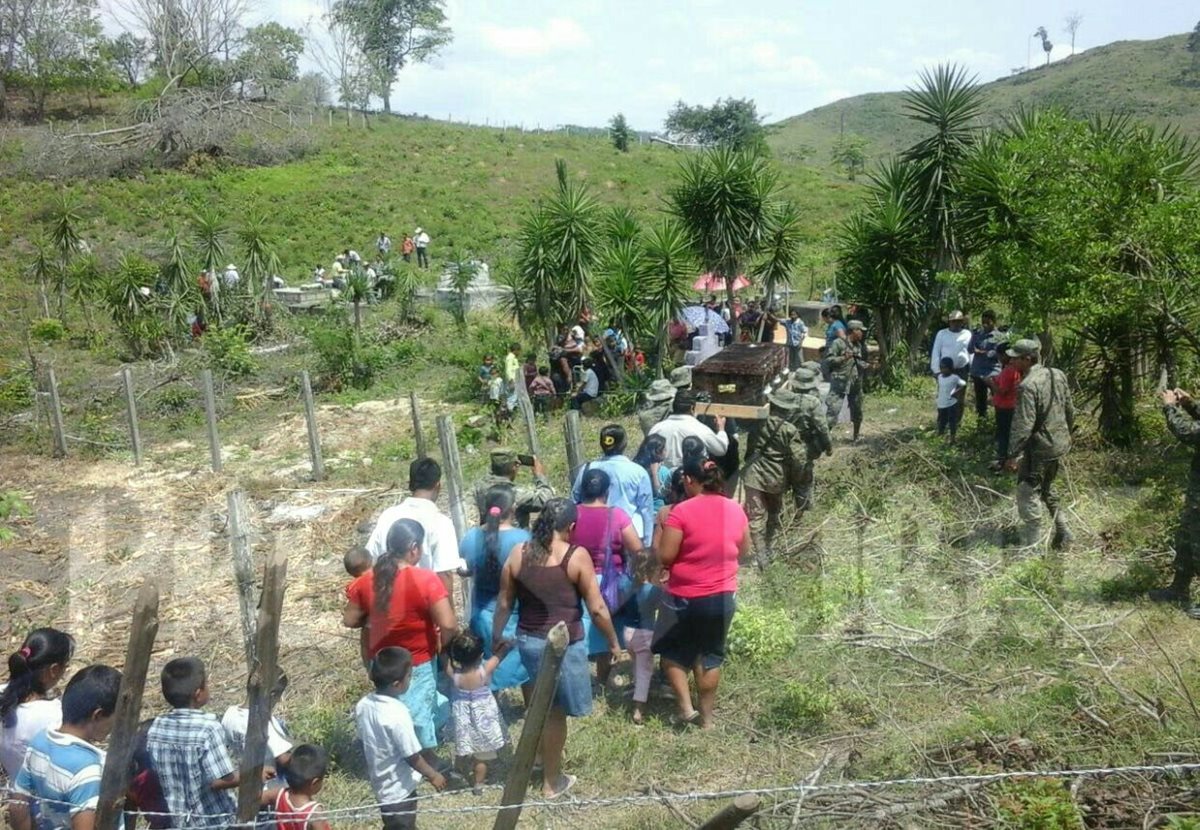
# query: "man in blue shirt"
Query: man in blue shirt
630,487
796,332
59,782
984,362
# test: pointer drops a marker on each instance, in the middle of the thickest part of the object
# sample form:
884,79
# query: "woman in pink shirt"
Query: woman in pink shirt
703,540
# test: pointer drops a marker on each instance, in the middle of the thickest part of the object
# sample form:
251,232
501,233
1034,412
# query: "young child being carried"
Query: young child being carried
478,729
950,391
357,561
639,633
395,764
296,807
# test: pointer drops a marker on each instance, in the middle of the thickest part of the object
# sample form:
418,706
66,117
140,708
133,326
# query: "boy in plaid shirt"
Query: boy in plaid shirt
187,749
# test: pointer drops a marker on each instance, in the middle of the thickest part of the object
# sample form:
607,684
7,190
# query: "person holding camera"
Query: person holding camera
505,466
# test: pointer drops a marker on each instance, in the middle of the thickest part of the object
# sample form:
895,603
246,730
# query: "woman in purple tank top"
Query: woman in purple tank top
550,579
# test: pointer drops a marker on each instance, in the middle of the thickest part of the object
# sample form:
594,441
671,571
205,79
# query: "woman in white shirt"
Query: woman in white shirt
25,704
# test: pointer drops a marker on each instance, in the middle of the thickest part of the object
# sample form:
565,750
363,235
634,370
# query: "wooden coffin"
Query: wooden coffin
740,374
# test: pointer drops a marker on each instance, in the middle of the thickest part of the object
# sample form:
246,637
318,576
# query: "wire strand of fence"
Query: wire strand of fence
801,788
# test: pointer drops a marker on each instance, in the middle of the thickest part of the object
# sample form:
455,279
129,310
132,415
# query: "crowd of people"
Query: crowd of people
640,554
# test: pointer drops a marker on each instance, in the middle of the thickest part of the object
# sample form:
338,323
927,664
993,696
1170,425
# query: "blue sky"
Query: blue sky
579,61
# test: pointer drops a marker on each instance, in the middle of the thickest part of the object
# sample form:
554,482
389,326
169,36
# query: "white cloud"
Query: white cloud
559,34
793,69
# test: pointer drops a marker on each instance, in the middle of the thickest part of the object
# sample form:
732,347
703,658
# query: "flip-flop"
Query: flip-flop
691,720
571,779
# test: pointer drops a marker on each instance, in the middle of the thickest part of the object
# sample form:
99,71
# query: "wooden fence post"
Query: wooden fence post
531,734
456,492
114,781
260,684
210,414
314,435
418,432
135,434
243,569
56,419
573,432
734,814
527,415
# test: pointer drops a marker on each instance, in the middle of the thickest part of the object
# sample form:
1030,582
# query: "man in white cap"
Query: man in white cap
231,277
953,342
421,239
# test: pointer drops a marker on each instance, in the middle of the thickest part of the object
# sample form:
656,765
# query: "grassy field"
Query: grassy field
1143,79
899,634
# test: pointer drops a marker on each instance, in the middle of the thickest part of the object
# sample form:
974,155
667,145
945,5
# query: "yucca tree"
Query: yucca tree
176,272
780,254
621,225
619,292
950,102
42,268
724,198
66,217
576,238
260,264
85,281
210,242
670,269
880,258
558,246
357,291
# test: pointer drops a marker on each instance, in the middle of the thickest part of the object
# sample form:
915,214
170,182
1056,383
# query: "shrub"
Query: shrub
1038,805
228,351
12,506
174,400
47,330
1138,578
761,634
797,708
16,391
342,360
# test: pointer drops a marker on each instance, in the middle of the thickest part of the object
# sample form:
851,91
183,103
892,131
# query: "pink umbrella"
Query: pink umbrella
711,283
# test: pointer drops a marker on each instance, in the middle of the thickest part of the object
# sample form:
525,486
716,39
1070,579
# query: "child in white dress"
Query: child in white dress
478,729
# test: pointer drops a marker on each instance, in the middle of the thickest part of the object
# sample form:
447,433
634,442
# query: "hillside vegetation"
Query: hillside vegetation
467,186
1144,79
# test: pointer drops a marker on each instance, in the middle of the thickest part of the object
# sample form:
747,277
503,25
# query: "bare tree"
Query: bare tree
186,36
341,61
16,19
1071,25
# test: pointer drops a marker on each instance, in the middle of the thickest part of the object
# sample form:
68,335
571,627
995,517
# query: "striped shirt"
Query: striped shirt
61,775
187,751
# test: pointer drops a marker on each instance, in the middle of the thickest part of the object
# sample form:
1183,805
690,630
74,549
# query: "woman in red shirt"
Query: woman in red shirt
406,606
703,540
1004,400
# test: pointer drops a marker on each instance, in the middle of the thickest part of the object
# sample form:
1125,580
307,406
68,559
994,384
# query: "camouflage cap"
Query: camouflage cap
784,399
856,325
660,390
681,377
502,457
1025,348
804,380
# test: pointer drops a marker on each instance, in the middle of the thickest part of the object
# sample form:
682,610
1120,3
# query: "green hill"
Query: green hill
1144,79
467,186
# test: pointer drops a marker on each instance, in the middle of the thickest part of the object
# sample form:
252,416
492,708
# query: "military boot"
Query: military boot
1031,534
1062,534
1177,593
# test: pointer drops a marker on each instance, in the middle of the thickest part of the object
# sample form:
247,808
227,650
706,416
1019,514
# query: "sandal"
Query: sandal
570,779
691,720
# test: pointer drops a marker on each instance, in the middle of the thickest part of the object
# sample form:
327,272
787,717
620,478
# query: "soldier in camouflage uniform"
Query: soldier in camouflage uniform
847,360
1183,419
809,418
504,471
659,398
1041,437
777,455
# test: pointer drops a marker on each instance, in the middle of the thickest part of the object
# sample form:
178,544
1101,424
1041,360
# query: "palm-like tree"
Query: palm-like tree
948,100
670,268
619,291
210,238
621,225
176,272
357,291
780,252
881,257
41,270
65,220
559,244
725,198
